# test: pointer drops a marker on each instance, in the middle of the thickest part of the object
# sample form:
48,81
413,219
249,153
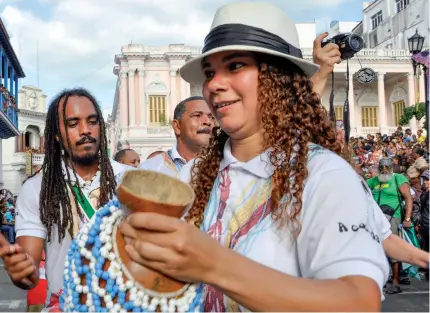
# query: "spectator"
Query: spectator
7,222
425,212
421,137
128,157
388,189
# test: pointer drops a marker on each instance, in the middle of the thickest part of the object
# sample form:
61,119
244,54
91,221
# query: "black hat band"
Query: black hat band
244,35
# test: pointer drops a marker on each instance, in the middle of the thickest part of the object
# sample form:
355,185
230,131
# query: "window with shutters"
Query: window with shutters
376,19
398,108
369,116
401,5
157,110
338,111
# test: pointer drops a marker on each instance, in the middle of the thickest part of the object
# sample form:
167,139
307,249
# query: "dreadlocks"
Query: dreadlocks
55,206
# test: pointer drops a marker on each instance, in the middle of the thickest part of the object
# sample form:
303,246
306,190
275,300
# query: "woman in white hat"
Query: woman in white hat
286,224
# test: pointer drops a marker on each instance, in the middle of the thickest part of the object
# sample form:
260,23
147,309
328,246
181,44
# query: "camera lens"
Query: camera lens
356,43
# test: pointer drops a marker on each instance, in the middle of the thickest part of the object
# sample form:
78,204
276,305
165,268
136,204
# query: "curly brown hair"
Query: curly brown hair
291,114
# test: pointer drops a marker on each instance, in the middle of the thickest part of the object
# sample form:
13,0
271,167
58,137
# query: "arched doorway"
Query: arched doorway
32,137
29,139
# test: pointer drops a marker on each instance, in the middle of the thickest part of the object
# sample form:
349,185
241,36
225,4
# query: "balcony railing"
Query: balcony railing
8,115
373,53
8,105
19,159
363,131
160,130
365,53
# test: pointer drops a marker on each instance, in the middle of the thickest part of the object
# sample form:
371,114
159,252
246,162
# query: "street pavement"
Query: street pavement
414,298
12,299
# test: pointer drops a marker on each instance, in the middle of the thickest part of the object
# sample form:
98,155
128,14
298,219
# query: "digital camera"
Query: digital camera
349,44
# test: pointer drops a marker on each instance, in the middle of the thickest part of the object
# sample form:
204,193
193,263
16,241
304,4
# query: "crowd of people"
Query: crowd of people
397,171
280,221
7,214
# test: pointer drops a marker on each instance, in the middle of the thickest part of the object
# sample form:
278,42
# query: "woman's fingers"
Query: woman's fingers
154,222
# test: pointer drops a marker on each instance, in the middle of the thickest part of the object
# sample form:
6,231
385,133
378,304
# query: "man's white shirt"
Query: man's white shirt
28,223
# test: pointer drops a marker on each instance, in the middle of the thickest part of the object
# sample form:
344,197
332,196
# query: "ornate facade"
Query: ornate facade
31,121
149,87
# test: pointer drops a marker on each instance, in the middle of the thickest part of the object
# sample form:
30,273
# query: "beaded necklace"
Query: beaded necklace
96,243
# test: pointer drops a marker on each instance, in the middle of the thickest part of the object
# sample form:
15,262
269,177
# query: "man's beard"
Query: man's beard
383,178
85,160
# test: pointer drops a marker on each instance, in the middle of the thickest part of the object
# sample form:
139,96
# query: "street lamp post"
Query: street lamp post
415,44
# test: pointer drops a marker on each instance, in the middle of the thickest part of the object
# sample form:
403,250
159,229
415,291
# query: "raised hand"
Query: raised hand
326,57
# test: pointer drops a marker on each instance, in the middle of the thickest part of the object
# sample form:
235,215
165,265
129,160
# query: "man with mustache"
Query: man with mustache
389,189
192,123
76,178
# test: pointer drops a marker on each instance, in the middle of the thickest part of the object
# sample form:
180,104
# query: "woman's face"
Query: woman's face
231,91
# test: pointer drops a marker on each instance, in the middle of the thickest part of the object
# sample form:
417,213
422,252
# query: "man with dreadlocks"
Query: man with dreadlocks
76,178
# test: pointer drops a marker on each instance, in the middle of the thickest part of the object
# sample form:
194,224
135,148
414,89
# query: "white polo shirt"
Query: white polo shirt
28,223
339,234
169,163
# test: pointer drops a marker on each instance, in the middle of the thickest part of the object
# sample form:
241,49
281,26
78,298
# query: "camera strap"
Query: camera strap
331,102
346,122
332,114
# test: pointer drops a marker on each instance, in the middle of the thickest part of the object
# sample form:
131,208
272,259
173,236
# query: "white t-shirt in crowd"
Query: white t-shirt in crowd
340,231
28,223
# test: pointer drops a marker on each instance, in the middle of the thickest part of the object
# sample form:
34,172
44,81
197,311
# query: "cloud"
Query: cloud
78,39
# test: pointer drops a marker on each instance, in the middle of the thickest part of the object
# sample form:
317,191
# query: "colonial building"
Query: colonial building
10,73
24,154
149,87
387,24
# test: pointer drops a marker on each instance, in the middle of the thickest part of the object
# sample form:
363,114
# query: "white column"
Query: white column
411,89
123,103
412,97
185,89
188,90
131,100
173,91
381,98
422,87
142,97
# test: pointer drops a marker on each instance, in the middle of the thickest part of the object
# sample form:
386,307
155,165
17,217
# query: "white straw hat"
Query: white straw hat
249,26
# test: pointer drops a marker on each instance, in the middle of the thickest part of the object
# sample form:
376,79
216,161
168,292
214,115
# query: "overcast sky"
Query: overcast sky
78,39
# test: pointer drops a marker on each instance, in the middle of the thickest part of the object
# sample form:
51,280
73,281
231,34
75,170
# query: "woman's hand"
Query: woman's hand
172,247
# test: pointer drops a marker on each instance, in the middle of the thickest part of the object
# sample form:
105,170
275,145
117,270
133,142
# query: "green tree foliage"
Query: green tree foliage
418,111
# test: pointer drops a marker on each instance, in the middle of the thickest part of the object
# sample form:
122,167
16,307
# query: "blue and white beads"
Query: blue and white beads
85,267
